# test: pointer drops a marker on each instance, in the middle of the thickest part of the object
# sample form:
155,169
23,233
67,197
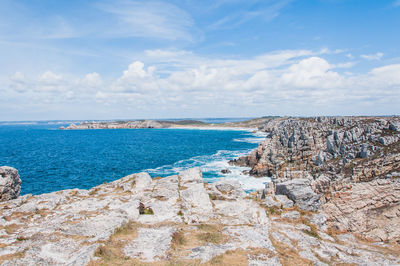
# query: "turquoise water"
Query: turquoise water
49,159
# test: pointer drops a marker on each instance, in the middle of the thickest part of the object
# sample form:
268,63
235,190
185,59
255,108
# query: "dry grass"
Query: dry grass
211,234
94,191
288,256
7,257
111,253
12,228
178,239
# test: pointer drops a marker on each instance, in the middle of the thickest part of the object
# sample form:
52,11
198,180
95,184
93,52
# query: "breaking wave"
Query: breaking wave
212,165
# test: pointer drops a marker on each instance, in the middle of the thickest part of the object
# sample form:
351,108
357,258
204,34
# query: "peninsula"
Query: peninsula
334,199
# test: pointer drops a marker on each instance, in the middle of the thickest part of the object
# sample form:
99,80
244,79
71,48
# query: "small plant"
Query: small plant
180,213
103,252
212,196
145,210
148,211
22,238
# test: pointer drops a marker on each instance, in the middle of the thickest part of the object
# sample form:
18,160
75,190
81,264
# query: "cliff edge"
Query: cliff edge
346,167
176,220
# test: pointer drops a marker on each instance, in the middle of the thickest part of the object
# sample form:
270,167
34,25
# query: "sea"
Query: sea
49,159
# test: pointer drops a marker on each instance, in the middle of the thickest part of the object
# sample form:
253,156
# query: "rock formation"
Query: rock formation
176,220
346,167
117,125
10,183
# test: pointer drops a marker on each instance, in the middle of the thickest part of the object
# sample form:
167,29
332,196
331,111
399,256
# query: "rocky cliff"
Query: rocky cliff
345,167
176,220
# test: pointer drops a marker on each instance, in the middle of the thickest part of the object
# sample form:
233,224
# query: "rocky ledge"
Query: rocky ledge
176,220
346,168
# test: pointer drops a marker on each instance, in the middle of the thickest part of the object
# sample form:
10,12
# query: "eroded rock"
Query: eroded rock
10,183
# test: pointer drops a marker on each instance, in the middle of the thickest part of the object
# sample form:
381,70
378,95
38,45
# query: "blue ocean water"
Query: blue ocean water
49,159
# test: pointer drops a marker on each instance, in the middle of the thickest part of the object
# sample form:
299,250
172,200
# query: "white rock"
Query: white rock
142,180
196,204
292,215
192,175
151,244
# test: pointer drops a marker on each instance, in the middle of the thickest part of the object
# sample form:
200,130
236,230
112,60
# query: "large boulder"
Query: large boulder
10,183
300,192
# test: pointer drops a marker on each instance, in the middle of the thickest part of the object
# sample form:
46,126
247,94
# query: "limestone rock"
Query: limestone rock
300,192
196,204
278,201
142,180
10,183
292,215
151,244
226,189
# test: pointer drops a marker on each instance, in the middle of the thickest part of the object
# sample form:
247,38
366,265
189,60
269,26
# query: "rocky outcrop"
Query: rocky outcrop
300,192
370,209
176,220
319,161
10,183
117,125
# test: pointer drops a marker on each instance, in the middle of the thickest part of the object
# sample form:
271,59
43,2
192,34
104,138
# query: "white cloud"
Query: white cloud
49,78
296,80
92,80
313,72
389,74
376,56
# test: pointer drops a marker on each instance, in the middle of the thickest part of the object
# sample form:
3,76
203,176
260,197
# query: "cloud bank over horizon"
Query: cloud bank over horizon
158,59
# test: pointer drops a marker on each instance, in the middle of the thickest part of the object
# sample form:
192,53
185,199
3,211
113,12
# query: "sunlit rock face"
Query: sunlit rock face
349,167
179,220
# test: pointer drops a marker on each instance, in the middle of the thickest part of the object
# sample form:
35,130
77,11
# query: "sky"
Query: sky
129,59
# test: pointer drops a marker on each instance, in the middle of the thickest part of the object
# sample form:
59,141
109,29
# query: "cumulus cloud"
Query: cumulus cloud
92,80
298,80
389,74
376,56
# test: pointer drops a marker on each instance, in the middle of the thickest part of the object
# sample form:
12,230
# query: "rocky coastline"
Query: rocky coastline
334,199
252,124
345,167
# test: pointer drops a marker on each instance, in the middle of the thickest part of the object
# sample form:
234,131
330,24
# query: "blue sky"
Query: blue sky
225,58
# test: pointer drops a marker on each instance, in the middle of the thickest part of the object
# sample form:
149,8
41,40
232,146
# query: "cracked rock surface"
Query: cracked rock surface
176,220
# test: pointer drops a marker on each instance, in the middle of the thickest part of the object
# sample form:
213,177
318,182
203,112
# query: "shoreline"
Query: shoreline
303,211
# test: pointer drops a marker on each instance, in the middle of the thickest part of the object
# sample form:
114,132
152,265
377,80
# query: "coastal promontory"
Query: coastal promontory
333,199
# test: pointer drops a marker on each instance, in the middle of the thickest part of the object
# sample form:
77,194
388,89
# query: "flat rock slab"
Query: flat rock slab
151,244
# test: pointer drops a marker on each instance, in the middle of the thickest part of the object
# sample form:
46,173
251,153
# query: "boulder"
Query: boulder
278,201
226,189
226,171
10,183
394,125
142,180
300,192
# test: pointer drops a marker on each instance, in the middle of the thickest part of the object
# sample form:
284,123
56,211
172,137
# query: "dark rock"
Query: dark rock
10,183
226,171
300,192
